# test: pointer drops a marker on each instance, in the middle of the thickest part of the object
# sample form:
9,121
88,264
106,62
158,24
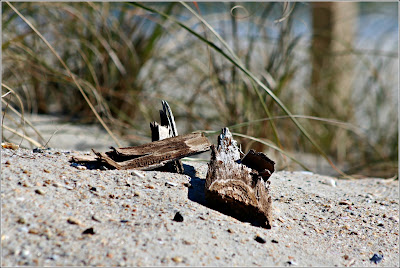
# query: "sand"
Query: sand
57,214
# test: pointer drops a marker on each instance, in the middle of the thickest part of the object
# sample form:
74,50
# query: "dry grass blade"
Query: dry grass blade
286,11
69,72
35,143
237,63
9,92
20,115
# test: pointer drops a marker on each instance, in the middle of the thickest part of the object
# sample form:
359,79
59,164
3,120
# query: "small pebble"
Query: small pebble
290,263
178,217
25,253
330,182
281,219
168,183
136,173
73,221
376,258
21,220
33,231
40,191
188,185
46,171
259,239
95,218
136,194
274,241
89,231
37,150
9,145
53,257
150,186
177,259
81,167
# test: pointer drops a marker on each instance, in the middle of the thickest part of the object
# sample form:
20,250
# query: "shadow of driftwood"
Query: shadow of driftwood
196,190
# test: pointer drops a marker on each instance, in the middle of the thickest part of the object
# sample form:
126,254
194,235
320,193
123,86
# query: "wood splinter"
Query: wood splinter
239,187
167,129
155,154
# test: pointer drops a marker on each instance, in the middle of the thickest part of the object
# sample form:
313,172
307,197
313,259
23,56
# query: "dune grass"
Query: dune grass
241,66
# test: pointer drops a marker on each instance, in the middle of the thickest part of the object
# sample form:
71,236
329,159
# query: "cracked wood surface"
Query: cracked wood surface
239,187
156,154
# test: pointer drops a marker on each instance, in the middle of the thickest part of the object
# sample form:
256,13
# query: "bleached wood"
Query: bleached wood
235,188
156,154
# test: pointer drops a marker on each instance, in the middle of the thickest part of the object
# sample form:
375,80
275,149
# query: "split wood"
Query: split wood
239,186
167,129
155,154
162,154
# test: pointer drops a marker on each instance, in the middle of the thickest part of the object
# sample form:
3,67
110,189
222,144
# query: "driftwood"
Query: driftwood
155,154
163,154
84,158
239,187
167,129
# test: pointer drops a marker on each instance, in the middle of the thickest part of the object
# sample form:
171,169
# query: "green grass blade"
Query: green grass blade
69,72
250,75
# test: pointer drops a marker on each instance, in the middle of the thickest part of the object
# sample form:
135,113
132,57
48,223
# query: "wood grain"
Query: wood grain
239,187
156,154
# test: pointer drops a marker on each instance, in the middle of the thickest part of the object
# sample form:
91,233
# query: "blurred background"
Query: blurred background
100,79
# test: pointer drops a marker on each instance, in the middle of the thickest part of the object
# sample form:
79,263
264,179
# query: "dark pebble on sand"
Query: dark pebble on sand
188,185
89,231
39,191
260,239
178,217
377,258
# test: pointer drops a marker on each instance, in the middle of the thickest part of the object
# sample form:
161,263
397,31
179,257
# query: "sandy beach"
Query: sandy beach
55,213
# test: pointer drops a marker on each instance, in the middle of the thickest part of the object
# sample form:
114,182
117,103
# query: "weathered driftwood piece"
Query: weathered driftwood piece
239,187
167,129
84,158
259,162
162,154
155,154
